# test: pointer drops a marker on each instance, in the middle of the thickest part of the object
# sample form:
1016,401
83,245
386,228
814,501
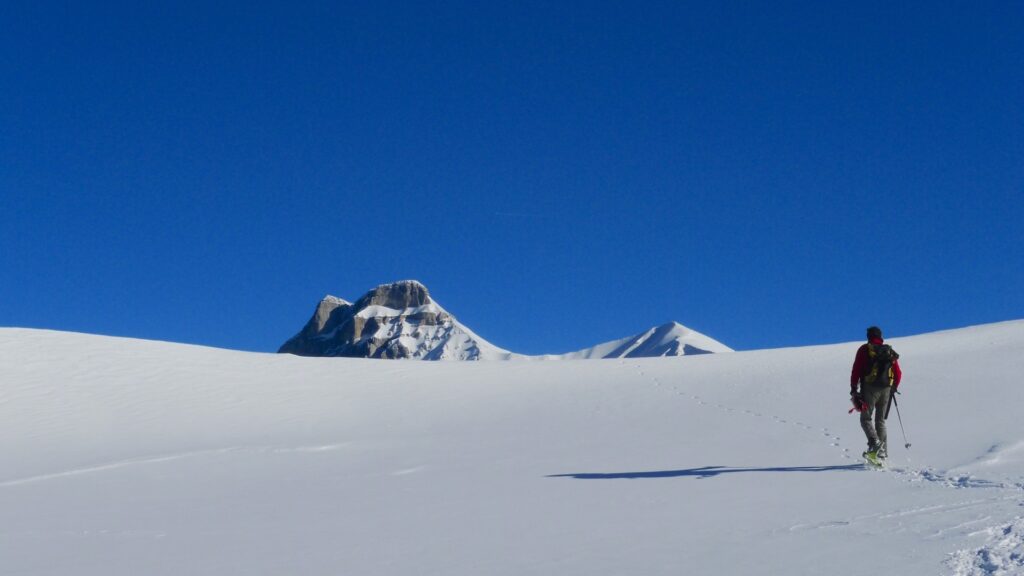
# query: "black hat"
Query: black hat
874,332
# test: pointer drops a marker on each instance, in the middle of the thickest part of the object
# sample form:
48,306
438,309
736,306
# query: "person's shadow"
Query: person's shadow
704,472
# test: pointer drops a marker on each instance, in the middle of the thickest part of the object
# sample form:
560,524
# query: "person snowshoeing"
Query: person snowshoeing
876,369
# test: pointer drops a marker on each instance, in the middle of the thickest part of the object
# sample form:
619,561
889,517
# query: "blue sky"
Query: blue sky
771,174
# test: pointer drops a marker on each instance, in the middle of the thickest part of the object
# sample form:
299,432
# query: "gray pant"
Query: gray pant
872,420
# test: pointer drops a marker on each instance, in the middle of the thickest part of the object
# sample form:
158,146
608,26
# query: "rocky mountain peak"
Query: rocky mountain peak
397,320
397,296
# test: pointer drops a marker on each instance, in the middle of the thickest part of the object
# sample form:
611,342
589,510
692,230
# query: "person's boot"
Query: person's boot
872,450
871,456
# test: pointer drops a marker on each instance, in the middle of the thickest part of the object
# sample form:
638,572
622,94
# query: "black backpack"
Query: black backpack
881,357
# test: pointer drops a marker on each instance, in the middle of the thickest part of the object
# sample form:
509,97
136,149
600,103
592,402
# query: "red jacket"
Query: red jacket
861,362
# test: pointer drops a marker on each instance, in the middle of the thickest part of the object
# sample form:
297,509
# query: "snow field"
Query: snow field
126,457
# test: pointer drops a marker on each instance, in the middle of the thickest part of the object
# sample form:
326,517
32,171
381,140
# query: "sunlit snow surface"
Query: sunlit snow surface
133,457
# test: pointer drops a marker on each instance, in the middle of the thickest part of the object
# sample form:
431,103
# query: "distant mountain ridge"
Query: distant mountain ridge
397,320
401,321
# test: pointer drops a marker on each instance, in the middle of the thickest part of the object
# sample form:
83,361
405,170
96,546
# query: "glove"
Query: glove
858,402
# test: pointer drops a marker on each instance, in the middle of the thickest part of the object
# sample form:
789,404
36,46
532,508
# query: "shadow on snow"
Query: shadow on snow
705,472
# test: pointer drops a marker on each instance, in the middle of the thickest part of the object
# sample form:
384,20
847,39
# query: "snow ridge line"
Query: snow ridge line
931,509
166,458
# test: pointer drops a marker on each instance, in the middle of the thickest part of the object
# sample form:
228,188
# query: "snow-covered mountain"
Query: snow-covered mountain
401,320
397,320
123,457
672,339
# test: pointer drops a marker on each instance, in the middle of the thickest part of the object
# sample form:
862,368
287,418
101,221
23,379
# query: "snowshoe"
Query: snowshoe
872,458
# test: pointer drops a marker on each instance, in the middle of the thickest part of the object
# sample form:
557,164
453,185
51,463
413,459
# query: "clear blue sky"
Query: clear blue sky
770,174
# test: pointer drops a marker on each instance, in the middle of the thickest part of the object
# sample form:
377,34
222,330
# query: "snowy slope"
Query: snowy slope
135,457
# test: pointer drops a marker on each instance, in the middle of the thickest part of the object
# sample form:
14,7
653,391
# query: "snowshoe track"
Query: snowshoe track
1001,555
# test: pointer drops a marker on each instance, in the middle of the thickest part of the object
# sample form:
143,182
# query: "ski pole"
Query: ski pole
897,405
